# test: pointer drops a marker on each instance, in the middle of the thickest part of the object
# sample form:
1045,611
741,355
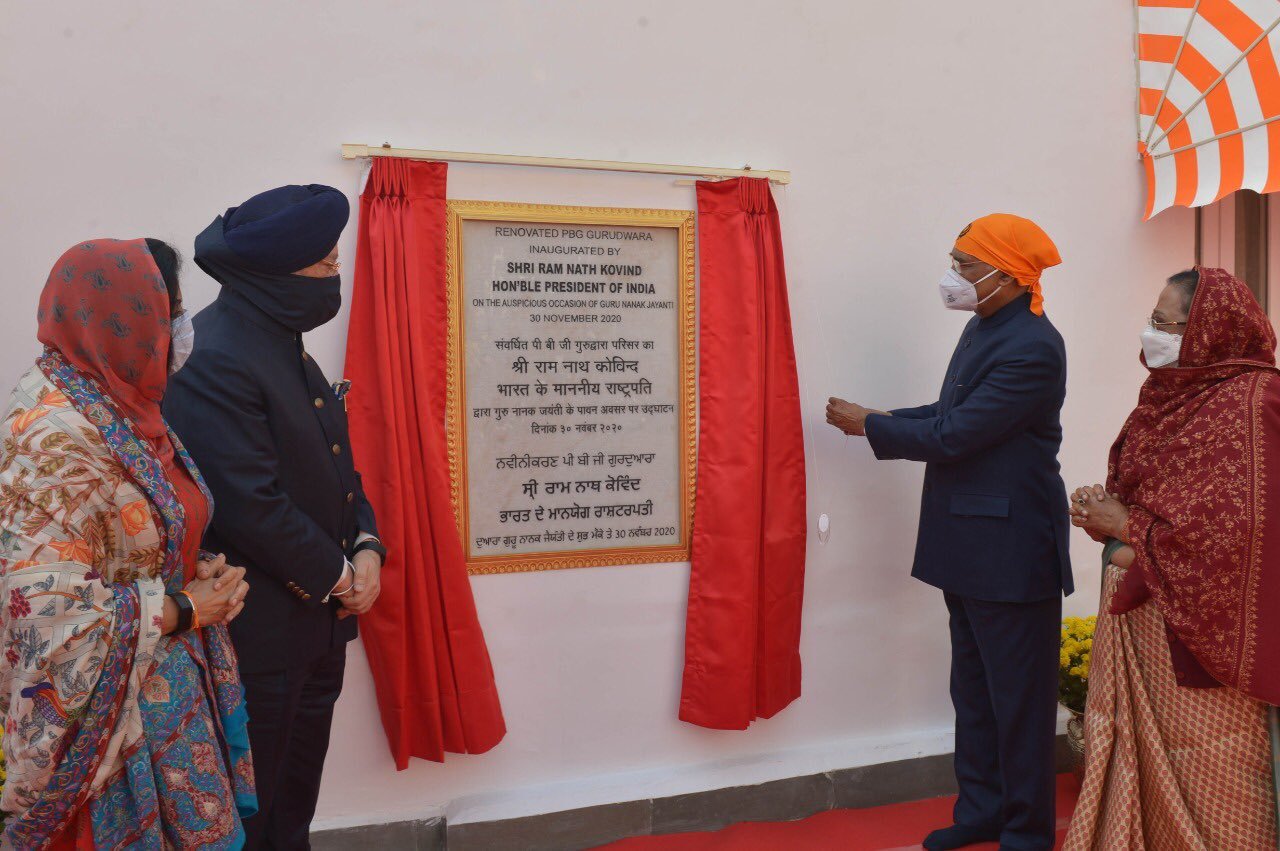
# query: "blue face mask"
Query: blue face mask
299,303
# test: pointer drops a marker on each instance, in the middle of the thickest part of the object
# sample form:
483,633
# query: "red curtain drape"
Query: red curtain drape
435,682
742,634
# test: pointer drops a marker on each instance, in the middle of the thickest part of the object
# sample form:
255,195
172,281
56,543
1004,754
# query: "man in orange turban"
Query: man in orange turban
993,527
1017,247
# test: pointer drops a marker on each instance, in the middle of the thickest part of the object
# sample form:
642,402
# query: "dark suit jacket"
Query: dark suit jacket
270,437
993,516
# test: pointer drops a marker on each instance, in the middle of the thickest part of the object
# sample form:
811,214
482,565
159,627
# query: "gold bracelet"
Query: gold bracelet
195,610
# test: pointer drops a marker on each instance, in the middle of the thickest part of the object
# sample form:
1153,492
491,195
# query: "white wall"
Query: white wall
901,122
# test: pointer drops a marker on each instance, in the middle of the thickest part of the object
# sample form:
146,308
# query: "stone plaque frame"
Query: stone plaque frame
682,221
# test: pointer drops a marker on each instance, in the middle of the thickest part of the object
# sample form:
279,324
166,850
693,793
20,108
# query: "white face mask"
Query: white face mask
182,340
959,293
1160,347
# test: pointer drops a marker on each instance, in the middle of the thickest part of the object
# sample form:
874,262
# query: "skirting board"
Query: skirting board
571,830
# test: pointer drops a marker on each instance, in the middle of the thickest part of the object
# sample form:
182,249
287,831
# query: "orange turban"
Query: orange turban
1015,246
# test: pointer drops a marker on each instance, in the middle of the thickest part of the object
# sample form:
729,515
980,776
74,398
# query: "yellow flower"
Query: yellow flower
1074,654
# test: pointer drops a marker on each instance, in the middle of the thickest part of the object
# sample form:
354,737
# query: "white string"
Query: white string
805,387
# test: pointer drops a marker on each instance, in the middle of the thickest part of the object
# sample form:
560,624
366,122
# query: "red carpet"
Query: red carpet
894,828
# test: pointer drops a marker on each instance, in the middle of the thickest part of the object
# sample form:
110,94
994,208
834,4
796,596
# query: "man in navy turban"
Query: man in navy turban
286,229
270,435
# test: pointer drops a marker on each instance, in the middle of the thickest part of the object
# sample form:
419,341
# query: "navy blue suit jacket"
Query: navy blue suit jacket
270,437
993,515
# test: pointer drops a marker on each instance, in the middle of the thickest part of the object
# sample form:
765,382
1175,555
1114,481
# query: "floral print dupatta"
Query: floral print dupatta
108,722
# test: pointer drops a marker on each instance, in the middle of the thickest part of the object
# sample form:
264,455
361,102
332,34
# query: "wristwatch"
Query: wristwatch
372,544
186,611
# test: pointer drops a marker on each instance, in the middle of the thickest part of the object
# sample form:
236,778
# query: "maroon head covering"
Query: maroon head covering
105,309
1198,464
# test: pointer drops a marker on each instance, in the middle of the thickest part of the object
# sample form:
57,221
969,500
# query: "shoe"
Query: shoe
960,836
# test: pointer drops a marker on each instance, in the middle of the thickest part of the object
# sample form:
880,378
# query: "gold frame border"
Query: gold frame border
455,399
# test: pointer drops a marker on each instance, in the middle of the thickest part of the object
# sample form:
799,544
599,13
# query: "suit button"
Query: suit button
344,543
319,403
306,596
351,497
337,450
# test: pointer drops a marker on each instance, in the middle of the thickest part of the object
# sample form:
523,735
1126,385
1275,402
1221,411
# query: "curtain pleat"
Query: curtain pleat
746,587
431,667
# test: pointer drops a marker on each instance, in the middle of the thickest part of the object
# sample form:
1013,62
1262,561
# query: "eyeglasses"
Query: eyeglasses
1160,326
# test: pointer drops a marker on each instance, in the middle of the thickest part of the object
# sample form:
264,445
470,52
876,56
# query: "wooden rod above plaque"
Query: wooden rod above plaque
354,152
571,400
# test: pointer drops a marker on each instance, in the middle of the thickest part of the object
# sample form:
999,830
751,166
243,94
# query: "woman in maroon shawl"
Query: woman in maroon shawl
1186,656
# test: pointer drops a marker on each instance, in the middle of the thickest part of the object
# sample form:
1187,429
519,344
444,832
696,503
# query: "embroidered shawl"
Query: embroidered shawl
1198,464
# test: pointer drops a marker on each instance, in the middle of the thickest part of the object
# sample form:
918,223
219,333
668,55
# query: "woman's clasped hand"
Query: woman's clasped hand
218,591
1099,513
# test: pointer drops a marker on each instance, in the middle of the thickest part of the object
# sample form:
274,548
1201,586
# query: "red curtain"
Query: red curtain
742,635
435,683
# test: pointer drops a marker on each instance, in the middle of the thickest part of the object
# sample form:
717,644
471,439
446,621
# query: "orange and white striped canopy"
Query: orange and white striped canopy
1209,99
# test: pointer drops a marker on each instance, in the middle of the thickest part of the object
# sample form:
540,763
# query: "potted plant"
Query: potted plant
1073,675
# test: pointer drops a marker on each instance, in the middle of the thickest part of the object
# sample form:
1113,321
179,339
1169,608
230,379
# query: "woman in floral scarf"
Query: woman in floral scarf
1186,655
123,711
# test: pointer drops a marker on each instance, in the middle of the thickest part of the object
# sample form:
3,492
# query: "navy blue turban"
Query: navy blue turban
286,229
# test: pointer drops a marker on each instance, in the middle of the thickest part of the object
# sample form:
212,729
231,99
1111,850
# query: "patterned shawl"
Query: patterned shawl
1198,464
104,318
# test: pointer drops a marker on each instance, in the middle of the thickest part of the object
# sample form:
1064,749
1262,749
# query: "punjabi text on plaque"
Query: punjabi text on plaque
572,376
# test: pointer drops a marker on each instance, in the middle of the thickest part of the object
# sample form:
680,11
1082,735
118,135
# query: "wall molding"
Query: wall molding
588,827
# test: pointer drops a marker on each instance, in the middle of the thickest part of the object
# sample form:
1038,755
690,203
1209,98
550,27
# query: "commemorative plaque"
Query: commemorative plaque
571,384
